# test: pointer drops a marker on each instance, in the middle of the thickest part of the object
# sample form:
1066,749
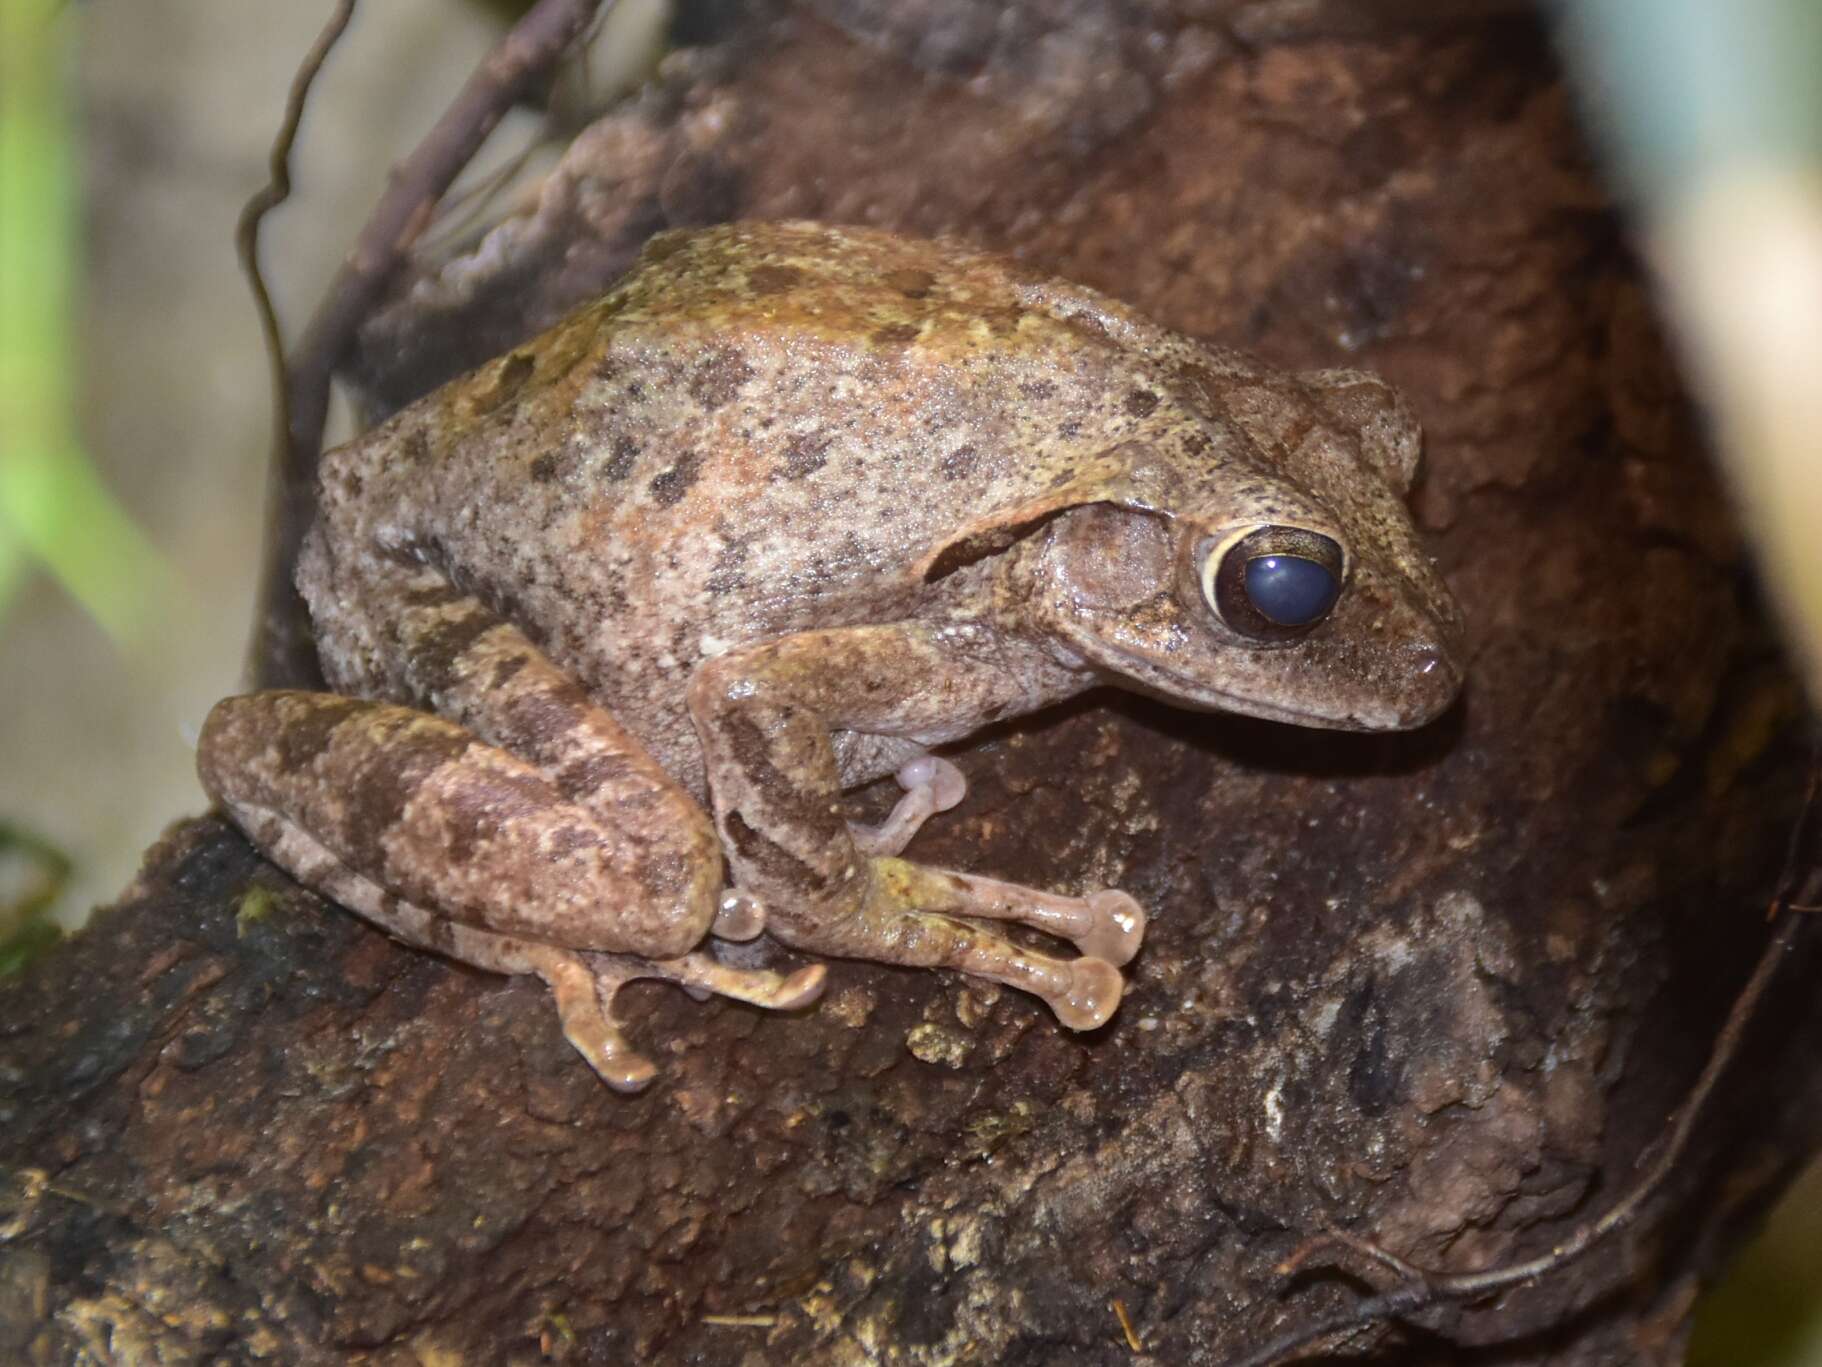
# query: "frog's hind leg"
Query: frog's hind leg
451,654
583,985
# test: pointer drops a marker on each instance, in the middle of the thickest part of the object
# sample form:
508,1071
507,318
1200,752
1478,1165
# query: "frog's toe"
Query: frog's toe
931,785
1092,996
947,784
584,995
702,977
1118,929
918,917
1104,925
801,988
627,1072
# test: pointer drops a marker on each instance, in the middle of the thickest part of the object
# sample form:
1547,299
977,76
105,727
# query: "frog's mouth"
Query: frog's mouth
1369,667
1435,682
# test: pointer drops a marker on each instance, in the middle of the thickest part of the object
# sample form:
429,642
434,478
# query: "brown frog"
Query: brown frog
790,507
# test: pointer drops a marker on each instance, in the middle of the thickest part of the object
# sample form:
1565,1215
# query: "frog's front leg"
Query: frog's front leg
530,835
764,714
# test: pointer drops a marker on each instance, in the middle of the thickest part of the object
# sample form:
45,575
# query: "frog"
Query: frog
616,624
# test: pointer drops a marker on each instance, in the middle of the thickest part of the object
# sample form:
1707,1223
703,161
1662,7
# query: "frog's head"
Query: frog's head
1293,589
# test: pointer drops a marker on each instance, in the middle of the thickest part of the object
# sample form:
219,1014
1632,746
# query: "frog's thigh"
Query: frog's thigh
418,805
764,715
461,660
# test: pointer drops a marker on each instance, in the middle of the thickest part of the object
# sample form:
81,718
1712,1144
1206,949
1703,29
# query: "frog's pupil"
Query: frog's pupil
1289,589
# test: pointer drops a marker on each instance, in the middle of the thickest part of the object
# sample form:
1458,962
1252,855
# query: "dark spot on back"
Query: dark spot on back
960,462
896,334
718,379
668,486
773,279
544,468
805,453
727,574
1141,403
1038,389
415,448
1205,387
911,283
620,463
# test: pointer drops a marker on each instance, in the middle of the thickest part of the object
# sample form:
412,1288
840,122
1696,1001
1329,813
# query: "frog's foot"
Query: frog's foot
931,785
582,1007
583,984
908,917
1104,925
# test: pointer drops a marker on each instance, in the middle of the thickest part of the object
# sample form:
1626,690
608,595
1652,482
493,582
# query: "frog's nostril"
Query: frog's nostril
1435,679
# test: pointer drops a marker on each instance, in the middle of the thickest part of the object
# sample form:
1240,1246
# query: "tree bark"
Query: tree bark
1437,989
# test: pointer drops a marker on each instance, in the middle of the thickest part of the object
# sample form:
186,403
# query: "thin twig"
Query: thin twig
1423,1288
273,193
281,651
246,241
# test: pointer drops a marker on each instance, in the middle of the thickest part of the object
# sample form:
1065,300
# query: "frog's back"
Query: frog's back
764,420
765,428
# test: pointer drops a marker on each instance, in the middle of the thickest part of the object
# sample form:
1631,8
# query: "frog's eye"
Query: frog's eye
1272,583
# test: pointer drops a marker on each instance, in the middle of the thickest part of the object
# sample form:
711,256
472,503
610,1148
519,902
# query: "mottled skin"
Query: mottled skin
791,506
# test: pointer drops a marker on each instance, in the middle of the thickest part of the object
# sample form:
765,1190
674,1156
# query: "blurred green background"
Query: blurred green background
134,422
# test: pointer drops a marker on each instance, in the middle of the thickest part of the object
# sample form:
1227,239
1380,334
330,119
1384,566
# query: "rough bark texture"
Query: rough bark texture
1439,989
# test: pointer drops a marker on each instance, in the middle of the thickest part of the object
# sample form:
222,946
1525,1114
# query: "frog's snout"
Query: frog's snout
1434,679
